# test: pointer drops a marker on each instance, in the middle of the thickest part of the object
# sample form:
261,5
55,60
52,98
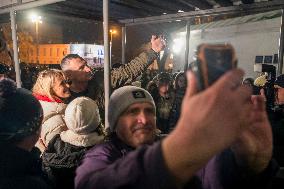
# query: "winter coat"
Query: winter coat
116,165
53,120
123,75
20,169
60,161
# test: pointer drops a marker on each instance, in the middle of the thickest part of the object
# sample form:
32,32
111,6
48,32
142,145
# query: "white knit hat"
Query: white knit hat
122,98
82,115
82,118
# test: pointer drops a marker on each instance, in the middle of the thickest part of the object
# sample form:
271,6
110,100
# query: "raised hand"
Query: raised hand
157,43
210,121
253,148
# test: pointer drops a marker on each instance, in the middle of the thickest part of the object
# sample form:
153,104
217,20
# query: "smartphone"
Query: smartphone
211,62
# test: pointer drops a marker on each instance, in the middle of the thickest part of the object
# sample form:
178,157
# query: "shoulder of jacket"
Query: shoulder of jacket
49,107
100,149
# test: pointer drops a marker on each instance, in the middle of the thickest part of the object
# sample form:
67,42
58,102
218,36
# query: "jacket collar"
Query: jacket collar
46,98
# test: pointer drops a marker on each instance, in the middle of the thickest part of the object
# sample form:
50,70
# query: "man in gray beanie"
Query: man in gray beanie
214,145
120,104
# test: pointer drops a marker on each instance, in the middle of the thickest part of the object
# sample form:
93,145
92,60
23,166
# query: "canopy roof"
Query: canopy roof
130,11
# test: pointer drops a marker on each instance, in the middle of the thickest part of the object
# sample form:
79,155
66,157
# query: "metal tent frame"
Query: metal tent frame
231,10
241,9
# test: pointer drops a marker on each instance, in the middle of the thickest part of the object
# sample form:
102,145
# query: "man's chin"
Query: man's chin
145,136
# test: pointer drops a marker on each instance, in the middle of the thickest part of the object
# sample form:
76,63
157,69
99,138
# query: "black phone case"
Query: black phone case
215,63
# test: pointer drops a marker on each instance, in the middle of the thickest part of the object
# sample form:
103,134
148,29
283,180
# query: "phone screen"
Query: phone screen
218,62
212,61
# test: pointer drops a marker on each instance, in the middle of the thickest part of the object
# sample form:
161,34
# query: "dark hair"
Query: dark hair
280,81
248,81
178,75
162,78
67,58
20,112
4,69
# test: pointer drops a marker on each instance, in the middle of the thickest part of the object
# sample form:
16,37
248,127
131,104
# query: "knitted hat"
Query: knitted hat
279,82
122,98
82,119
82,115
20,112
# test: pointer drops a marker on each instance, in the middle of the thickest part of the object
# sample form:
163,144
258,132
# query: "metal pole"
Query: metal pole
28,5
123,44
37,43
280,51
110,46
106,60
187,45
15,48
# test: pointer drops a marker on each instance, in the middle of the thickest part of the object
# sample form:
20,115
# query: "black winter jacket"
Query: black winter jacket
60,161
20,169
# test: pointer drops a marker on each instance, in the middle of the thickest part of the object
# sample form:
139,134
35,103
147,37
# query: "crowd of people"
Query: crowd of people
162,134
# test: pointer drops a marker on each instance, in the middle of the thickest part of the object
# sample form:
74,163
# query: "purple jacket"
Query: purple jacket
115,165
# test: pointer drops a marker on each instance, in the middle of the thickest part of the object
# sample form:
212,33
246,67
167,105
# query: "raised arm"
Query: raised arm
127,73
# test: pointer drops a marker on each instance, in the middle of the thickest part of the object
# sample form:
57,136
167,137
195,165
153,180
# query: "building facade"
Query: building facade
53,53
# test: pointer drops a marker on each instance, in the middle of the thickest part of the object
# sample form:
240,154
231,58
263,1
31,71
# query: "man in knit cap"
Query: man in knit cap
20,124
214,145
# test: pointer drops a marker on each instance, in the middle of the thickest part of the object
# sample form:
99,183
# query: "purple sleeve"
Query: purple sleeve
142,168
222,172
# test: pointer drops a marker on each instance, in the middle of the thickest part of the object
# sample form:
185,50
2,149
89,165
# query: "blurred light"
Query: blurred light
162,54
112,31
164,13
178,20
35,18
177,45
180,11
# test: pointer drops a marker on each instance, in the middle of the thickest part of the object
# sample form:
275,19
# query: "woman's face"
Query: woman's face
61,88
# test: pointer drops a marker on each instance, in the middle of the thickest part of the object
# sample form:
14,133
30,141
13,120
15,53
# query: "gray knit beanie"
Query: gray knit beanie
122,98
